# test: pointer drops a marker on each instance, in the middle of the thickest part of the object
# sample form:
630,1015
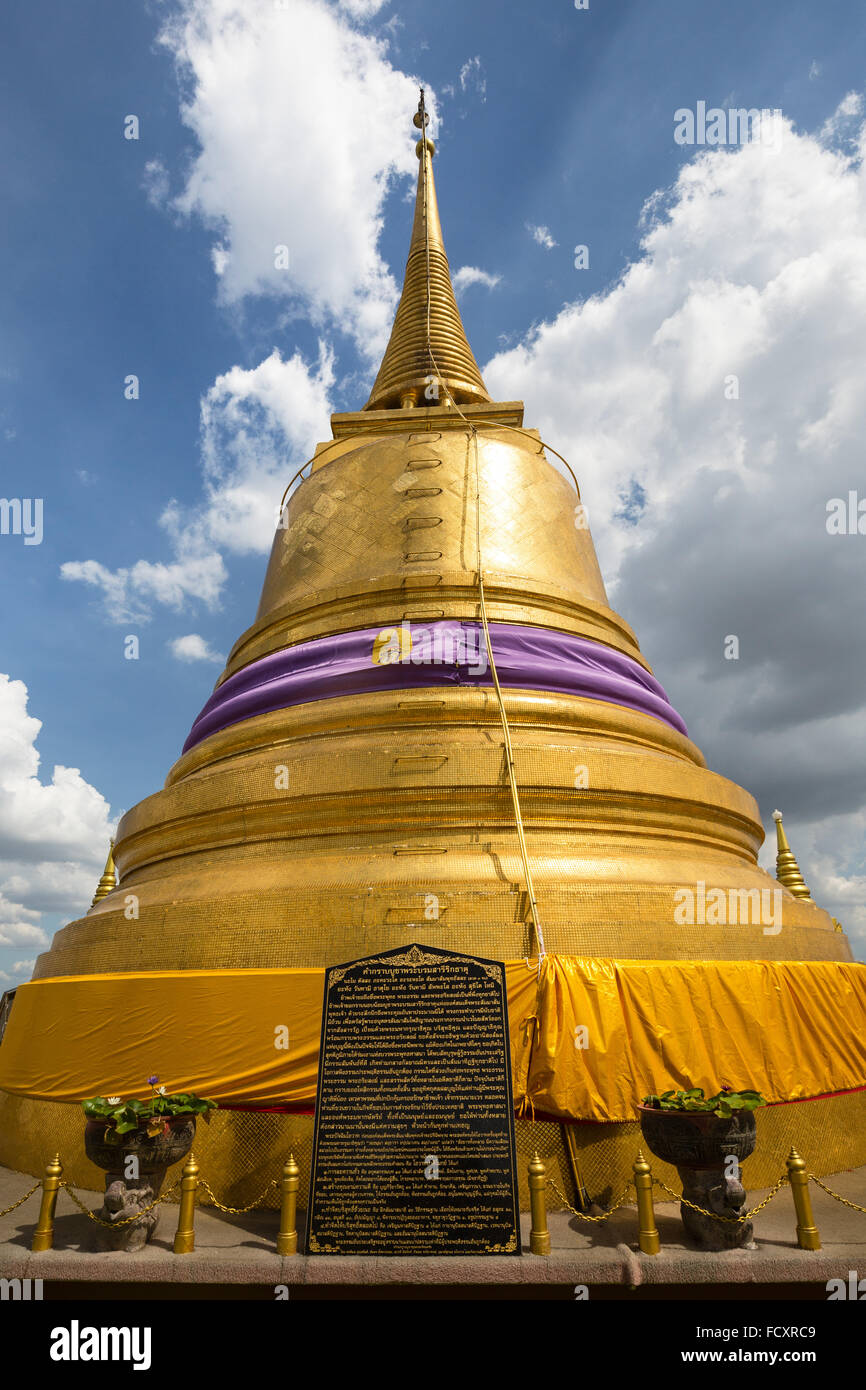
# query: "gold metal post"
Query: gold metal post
648,1236
539,1236
807,1232
287,1240
184,1240
43,1236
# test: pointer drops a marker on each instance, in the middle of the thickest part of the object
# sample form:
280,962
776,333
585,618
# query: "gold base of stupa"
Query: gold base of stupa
395,796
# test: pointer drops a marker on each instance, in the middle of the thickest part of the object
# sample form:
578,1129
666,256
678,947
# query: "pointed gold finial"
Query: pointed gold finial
787,868
109,877
428,360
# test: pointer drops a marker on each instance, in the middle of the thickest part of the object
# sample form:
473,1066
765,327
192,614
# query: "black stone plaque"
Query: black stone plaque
414,1142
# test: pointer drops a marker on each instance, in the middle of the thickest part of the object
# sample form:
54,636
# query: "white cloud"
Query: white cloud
470,275
814,70
844,119
194,648
18,924
23,967
362,9
60,819
53,835
302,126
129,594
391,26
155,182
301,123
472,75
541,235
258,426
709,513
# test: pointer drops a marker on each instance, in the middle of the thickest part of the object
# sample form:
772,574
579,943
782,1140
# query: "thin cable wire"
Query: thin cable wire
509,751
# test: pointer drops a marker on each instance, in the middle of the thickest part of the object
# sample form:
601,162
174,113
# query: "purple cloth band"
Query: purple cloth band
447,652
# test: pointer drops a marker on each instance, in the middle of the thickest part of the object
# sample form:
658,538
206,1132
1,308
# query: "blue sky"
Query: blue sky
549,118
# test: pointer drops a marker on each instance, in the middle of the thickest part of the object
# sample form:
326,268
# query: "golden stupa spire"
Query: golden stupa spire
428,358
787,868
109,877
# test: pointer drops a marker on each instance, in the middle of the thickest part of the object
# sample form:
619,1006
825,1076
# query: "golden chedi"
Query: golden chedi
438,730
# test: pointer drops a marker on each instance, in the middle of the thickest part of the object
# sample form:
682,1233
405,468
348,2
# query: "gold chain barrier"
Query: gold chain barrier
581,1215
287,1237
648,1236
127,1220
808,1237
235,1211
836,1196
6,1210
539,1235
714,1216
184,1240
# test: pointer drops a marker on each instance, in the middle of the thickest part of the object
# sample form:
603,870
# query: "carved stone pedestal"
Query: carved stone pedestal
136,1164
704,1148
124,1199
721,1196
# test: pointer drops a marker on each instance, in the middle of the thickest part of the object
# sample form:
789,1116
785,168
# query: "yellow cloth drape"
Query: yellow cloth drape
589,1037
788,1029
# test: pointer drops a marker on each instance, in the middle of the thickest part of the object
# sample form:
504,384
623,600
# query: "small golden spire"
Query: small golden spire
428,360
109,877
787,868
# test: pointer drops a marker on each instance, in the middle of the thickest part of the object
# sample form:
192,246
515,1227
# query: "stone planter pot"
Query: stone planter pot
700,1146
131,1187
